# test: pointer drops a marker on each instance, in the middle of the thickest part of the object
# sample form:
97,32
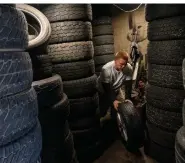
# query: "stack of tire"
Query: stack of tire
20,132
103,41
58,145
39,31
71,50
165,92
180,136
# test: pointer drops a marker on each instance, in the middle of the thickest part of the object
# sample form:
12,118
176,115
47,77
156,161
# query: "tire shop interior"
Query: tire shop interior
51,57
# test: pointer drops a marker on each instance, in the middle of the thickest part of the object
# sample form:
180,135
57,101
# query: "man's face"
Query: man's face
120,64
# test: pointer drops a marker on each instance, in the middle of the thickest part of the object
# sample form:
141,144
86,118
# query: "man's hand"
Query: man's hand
116,103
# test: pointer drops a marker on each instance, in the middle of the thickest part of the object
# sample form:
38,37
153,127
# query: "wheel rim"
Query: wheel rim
122,127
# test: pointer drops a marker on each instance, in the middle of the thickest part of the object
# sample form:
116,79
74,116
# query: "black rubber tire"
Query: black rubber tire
180,145
183,72
165,76
103,40
160,11
40,42
75,70
49,91
83,107
73,51
133,123
83,87
55,130
183,113
102,30
15,73
160,136
86,137
103,59
167,29
165,98
26,149
90,153
19,115
84,123
42,67
166,120
70,31
104,49
14,29
66,12
170,52
11,5
103,20
98,68
161,154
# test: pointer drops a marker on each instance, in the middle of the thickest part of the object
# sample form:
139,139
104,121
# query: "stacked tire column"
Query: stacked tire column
165,92
103,41
20,132
180,136
58,145
71,50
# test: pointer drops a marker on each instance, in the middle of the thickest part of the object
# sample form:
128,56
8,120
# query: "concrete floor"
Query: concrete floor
116,153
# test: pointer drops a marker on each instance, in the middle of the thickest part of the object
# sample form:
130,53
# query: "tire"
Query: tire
84,123
42,67
83,107
103,50
26,149
170,52
160,11
102,30
86,137
16,73
167,29
49,91
19,115
165,76
66,12
103,40
75,70
163,137
156,150
70,31
183,72
73,51
40,42
103,20
83,87
179,145
129,117
98,68
160,118
183,113
54,134
165,98
103,59
14,30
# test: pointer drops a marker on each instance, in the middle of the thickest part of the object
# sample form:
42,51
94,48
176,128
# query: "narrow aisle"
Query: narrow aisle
116,153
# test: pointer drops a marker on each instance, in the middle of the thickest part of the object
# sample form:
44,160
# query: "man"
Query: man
112,80
115,84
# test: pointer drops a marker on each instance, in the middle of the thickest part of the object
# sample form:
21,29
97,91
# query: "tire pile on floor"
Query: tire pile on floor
165,92
103,41
71,50
58,145
20,138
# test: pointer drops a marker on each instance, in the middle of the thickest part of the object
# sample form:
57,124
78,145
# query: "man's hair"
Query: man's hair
121,54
